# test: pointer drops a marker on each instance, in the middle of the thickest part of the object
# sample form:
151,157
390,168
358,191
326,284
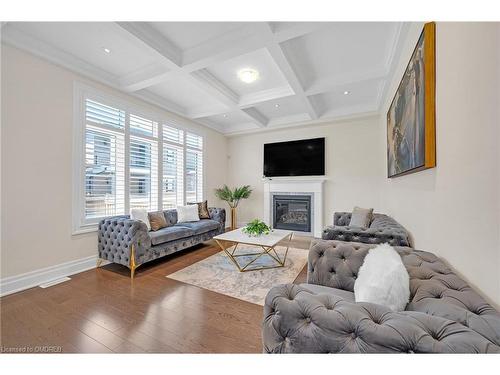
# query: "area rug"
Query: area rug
217,273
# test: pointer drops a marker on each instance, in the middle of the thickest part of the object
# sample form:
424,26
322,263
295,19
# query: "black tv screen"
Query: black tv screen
295,158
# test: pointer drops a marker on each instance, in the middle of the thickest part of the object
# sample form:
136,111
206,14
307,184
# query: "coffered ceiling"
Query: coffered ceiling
308,72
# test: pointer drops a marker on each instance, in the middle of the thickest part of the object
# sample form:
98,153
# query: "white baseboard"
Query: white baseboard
13,284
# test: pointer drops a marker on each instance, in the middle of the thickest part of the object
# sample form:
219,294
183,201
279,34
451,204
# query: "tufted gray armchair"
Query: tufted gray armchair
382,229
125,241
444,314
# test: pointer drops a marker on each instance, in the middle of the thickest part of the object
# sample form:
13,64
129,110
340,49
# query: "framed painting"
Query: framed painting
411,119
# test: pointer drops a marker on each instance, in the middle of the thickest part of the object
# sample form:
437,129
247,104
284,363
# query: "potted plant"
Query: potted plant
233,197
256,228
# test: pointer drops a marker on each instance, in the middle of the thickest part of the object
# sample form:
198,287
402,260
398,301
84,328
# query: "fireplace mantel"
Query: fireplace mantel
292,186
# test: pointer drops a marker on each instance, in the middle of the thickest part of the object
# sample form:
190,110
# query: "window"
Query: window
131,161
173,167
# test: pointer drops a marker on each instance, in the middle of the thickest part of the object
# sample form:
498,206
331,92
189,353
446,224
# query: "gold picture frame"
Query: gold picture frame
411,118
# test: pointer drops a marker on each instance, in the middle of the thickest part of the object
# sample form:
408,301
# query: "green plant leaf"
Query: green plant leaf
232,197
256,228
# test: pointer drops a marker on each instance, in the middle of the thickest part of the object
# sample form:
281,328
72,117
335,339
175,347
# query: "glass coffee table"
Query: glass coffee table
265,242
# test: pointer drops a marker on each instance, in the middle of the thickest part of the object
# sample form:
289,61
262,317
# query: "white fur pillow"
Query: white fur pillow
383,279
187,213
140,214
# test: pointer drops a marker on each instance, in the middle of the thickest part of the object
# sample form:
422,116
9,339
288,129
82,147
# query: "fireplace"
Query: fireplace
292,212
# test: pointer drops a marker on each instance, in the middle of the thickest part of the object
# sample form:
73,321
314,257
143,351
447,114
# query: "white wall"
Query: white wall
37,118
353,173
453,209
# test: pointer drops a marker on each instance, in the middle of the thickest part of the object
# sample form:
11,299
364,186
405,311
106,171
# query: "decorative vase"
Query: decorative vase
233,218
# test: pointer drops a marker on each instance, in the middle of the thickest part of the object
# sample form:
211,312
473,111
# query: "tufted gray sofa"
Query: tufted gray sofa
120,237
444,314
382,229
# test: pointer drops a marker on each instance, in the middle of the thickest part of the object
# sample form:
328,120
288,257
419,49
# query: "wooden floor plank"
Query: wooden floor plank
102,310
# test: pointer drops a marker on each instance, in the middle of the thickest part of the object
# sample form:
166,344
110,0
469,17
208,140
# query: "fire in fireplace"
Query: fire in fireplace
292,212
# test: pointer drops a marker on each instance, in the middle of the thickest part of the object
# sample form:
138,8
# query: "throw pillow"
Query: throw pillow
157,220
203,210
187,213
383,279
361,217
140,214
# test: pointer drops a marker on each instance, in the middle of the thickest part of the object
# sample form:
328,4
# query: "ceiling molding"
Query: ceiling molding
211,84
249,100
297,30
145,33
256,115
144,78
160,102
25,42
369,114
285,67
280,59
301,117
393,58
333,83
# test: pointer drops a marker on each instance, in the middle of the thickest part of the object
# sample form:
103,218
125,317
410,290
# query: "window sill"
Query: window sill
84,230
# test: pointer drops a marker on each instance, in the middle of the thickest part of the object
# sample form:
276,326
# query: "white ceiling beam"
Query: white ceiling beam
146,77
249,100
17,38
238,42
256,115
280,59
298,29
207,82
171,55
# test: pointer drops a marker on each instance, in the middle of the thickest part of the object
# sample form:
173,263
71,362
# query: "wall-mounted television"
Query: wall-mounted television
305,157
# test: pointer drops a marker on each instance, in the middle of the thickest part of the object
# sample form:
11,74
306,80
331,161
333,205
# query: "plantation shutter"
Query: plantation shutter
194,168
143,163
130,161
104,161
173,167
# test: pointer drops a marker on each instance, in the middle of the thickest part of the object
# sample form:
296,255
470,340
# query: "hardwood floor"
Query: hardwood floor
102,310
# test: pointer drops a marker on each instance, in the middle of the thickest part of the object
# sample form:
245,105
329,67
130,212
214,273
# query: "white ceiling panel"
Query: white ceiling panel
186,35
186,95
87,40
230,119
344,48
364,95
270,76
283,107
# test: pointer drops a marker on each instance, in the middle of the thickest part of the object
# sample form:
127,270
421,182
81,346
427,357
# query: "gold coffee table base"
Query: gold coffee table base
266,250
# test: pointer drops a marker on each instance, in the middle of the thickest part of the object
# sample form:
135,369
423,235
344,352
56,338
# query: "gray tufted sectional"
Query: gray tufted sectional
383,229
118,235
444,315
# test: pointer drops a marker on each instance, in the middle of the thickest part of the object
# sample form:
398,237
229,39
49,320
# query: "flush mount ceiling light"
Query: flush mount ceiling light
107,50
347,92
225,116
277,105
248,75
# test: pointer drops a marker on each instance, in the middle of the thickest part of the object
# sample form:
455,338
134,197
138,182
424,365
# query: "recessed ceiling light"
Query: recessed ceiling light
224,116
347,92
277,105
248,75
107,50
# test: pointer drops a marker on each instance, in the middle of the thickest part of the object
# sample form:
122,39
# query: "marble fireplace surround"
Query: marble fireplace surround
312,186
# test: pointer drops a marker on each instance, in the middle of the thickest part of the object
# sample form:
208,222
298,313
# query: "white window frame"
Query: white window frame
81,92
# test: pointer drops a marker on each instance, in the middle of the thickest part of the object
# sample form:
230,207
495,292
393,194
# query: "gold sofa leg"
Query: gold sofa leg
98,263
132,264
